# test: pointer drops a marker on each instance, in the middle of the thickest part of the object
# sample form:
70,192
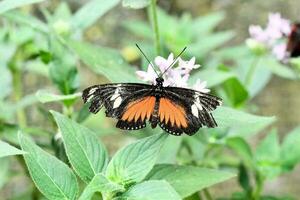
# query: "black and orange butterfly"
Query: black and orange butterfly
176,110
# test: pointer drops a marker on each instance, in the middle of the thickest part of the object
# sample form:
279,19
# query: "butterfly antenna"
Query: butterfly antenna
174,61
147,59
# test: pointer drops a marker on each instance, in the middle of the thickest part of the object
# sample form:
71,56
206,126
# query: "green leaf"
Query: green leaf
187,180
133,162
206,24
7,5
169,150
235,91
290,149
241,147
104,61
86,154
241,123
212,76
45,97
28,20
151,190
268,156
135,4
100,184
91,12
268,149
208,43
8,150
279,69
51,176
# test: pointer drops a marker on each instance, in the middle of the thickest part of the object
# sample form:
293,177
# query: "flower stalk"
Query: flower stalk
155,26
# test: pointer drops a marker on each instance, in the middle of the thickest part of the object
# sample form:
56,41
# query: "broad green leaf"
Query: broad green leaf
8,150
151,190
290,149
104,61
28,20
7,5
241,123
85,152
51,176
133,162
100,184
206,24
91,12
241,147
45,97
187,180
268,155
212,76
235,91
135,4
169,150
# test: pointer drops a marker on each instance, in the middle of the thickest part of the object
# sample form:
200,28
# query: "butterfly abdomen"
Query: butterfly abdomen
154,117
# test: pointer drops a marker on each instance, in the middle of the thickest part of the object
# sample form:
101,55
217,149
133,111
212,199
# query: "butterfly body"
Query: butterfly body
293,46
176,110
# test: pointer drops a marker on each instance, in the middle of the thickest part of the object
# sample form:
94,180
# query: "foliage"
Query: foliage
65,151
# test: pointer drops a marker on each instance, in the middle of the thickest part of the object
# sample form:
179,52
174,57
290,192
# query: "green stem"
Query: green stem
207,194
155,26
259,186
17,85
250,74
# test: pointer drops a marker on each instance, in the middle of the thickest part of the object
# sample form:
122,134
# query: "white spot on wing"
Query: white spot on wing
117,102
92,90
195,110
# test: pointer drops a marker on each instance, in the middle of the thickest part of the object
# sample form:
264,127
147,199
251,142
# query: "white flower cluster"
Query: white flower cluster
175,76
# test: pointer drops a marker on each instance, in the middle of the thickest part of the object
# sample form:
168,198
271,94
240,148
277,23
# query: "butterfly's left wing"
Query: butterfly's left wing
130,103
183,110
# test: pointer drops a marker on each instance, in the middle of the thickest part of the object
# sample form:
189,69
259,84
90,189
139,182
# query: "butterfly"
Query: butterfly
176,110
293,46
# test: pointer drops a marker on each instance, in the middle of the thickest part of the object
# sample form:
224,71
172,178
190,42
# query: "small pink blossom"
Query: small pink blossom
273,35
175,76
279,51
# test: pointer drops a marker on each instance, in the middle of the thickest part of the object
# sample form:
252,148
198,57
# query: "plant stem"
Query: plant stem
207,194
17,85
155,26
251,71
259,186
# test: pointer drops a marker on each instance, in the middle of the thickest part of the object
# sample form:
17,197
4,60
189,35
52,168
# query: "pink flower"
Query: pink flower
175,76
276,30
279,51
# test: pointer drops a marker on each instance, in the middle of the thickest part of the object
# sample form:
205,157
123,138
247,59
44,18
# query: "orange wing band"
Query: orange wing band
139,109
172,112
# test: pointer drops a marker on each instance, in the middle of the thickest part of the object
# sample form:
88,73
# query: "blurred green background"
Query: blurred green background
120,28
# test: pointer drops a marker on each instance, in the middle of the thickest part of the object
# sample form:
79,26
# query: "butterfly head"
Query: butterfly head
159,81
